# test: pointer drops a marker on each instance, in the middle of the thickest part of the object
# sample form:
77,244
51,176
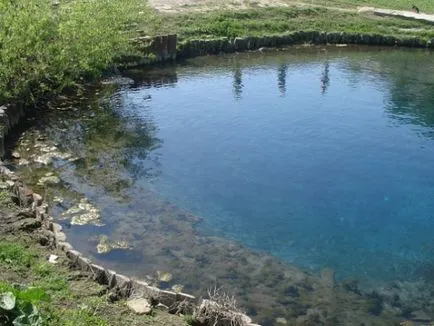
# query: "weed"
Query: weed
188,319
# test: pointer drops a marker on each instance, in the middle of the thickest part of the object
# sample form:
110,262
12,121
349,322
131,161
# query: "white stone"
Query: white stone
53,259
140,306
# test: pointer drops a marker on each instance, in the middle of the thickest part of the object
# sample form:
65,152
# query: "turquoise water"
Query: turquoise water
321,159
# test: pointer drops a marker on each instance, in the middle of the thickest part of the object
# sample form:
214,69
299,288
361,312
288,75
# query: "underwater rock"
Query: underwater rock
281,321
52,179
177,288
16,154
105,246
420,316
164,276
57,199
83,213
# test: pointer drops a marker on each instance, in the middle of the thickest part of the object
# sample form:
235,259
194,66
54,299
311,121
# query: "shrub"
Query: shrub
45,48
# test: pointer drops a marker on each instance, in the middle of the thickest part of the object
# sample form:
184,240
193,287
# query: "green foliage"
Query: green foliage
46,47
17,306
188,319
83,317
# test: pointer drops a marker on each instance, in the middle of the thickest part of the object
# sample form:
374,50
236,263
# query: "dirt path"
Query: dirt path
173,6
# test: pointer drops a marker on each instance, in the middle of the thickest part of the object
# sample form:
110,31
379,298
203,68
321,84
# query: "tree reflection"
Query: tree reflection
281,78
325,79
237,85
111,150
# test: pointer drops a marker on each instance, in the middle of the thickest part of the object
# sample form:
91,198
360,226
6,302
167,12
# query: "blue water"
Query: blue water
319,158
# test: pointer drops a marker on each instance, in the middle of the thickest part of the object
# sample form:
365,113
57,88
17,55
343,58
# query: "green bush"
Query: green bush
45,47
17,306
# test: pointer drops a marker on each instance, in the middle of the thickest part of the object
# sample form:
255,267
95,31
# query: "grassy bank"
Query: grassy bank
267,21
47,47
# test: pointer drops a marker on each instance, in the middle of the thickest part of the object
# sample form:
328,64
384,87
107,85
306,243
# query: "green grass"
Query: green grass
47,287
268,21
62,296
16,256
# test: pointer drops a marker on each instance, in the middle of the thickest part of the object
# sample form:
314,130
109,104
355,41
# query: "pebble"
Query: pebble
53,259
140,306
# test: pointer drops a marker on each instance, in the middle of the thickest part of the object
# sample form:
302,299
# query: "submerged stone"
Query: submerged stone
57,199
164,276
177,288
105,246
48,180
83,213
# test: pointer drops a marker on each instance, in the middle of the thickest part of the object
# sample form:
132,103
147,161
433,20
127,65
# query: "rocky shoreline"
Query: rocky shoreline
140,295
167,48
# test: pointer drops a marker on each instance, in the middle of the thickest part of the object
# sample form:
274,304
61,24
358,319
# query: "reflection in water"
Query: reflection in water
165,76
281,78
238,83
325,80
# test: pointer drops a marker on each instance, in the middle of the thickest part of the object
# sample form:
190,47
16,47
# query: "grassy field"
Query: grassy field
206,5
266,21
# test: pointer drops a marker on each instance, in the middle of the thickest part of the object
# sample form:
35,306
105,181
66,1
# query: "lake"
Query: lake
239,170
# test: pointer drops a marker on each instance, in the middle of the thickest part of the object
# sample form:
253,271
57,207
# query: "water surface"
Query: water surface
322,159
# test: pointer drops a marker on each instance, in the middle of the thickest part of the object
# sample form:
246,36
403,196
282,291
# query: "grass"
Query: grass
269,21
15,256
63,296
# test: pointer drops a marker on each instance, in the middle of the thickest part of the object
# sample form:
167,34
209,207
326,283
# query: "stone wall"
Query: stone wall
195,48
168,48
152,50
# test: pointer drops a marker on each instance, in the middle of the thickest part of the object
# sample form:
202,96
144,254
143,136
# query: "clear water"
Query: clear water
321,159
233,169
